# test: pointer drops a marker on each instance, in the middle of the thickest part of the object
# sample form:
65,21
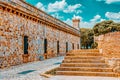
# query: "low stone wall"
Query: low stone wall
109,43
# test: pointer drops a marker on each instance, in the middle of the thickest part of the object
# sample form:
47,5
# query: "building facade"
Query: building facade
29,34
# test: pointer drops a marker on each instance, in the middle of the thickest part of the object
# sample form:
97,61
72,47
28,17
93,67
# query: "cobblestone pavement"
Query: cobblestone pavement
29,71
32,70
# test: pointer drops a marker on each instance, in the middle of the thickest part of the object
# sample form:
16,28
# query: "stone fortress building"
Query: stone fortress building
29,34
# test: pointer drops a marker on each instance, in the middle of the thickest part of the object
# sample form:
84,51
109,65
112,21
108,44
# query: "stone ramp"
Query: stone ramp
85,63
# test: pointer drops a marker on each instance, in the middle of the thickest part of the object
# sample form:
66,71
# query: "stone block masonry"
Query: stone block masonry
109,46
109,43
19,19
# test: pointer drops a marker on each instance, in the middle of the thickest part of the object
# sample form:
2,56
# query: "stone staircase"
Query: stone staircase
85,63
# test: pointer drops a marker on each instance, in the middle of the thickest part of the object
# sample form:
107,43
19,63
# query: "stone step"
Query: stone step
82,61
86,50
87,73
84,54
83,57
84,65
93,69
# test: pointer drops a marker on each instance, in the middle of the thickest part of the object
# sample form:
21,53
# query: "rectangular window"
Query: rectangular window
66,46
57,47
73,45
25,44
78,46
45,45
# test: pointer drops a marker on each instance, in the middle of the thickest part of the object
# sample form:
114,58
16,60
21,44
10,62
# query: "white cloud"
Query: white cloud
63,6
77,17
68,21
96,18
102,20
72,8
112,1
109,1
78,11
56,15
39,5
57,6
90,24
100,0
113,16
85,24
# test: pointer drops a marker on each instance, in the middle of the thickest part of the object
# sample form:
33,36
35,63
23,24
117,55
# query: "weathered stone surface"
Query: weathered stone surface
109,46
109,43
86,63
14,27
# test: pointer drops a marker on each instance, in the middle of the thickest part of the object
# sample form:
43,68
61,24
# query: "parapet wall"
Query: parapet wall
109,43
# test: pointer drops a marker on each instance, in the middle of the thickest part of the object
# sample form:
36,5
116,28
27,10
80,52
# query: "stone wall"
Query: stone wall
13,28
109,44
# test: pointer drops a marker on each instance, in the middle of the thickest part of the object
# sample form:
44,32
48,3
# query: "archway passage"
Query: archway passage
25,44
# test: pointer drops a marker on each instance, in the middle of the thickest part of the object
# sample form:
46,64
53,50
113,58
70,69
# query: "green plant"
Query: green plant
94,45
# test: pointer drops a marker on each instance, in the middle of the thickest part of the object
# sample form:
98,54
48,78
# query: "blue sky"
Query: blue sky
90,12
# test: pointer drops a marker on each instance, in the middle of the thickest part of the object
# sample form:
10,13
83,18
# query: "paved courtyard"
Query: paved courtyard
82,78
32,70
29,71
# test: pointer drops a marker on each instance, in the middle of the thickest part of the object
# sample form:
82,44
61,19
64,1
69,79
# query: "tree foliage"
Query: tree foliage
94,45
106,27
87,38
87,35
